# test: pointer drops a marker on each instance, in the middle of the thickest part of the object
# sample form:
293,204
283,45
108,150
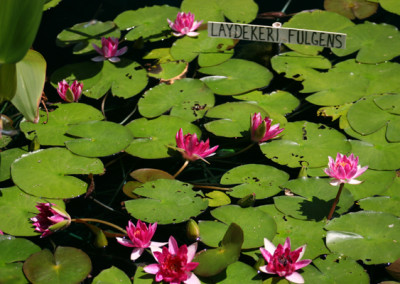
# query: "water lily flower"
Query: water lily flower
184,24
261,129
50,219
191,148
70,93
109,50
175,264
280,260
344,169
140,238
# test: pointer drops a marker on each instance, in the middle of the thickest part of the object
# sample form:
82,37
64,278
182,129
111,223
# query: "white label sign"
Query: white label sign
276,34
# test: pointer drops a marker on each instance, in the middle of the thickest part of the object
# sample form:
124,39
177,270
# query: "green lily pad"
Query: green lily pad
304,141
385,204
142,277
168,70
152,137
6,159
310,233
112,275
369,236
297,66
389,103
146,22
375,43
262,180
237,271
235,76
234,119
98,138
217,198
50,4
210,50
315,200
67,265
16,209
255,224
189,99
316,20
335,270
351,9
83,35
166,201
280,102
52,131
391,6
48,173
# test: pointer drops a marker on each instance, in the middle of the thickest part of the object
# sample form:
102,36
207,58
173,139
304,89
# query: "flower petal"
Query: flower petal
136,253
295,278
270,247
152,268
192,279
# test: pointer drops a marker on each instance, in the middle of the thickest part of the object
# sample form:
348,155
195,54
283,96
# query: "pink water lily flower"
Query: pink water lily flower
344,169
140,238
70,93
191,148
109,50
261,129
280,260
50,219
175,264
184,24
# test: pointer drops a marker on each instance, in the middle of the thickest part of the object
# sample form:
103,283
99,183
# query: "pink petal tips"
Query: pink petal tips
70,93
191,148
184,24
109,50
344,169
50,219
261,129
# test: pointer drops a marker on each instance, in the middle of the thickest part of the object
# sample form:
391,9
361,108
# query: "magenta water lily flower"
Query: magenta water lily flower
70,93
140,238
280,260
174,264
184,24
261,129
344,169
50,219
191,148
109,50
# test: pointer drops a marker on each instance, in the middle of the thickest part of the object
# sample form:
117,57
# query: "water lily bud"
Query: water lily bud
247,201
192,230
51,218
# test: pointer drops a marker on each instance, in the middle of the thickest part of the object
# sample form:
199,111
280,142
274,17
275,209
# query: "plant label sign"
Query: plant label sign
276,34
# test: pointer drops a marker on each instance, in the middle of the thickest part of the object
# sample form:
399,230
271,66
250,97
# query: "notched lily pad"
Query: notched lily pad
351,9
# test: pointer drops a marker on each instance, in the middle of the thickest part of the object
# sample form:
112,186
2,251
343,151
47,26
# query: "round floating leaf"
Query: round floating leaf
255,224
6,159
146,22
67,265
48,173
217,198
236,272
334,269
381,204
83,35
207,10
316,20
144,175
16,209
98,138
187,98
315,200
280,102
262,180
369,236
168,201
304,141
112,275
235,76
12,273
297,66
351,9
52,131
154,136
142,277
391,6
211,50
168,70
389,103
15,249
234,119
376,43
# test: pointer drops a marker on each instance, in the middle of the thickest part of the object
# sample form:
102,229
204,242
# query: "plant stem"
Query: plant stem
84,220
236,153
336,201
182,168
212,187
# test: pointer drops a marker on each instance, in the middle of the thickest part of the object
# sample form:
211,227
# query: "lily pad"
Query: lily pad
189,99
6,159
304,141
235,76
262,180
152,137
369,236
217,198
98,138
168,71
210,50
381,204
83,35
53,131
67,265
351,9
51,175
237,271
146,22
166,201
391,6
112,275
